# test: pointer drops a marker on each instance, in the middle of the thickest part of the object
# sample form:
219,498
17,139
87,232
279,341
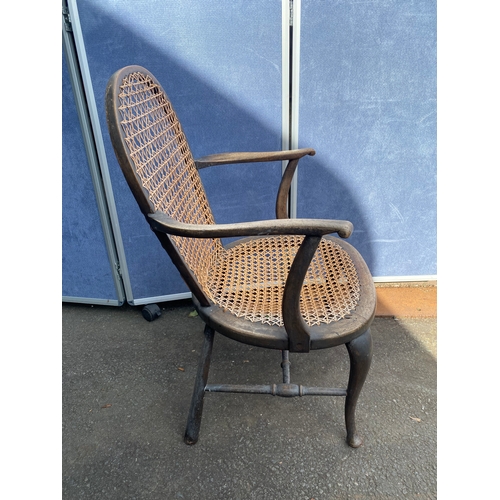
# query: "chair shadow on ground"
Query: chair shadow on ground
126,392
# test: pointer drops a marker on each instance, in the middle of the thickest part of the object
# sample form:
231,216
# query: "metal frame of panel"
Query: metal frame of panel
290,85
88,139
97,135
105,187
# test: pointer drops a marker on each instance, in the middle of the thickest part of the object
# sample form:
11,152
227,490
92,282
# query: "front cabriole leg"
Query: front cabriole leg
360,354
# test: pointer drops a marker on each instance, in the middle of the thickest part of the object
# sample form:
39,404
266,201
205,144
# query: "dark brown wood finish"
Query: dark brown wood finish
295,335
282,200
252,157
307,227
295,326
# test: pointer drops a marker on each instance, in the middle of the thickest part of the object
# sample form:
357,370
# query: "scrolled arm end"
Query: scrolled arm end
346,229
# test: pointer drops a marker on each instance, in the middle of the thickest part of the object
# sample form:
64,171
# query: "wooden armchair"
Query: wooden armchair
286,285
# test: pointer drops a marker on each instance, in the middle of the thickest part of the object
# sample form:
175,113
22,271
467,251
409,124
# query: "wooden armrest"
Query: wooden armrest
252,157
307,227
293,156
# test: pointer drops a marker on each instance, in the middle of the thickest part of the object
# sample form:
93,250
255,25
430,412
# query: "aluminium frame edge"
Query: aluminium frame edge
108,197
290,69
71,56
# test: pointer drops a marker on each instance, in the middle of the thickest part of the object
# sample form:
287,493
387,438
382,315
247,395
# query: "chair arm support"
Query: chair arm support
159,221
293,156
295,326
284,189
251,157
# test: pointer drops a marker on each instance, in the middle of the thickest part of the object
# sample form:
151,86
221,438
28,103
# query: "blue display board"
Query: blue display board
220,64
368,107
86,269
366,101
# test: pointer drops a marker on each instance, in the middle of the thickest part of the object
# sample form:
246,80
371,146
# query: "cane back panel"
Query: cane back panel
163,161
247,279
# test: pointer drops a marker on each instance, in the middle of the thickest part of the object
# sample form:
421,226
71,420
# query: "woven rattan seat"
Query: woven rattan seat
249,279
288,284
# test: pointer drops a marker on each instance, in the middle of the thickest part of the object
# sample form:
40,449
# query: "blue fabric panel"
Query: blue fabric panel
86,270
220,64
368,107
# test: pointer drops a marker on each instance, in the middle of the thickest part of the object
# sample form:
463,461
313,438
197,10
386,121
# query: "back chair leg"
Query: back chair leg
360,354
196,410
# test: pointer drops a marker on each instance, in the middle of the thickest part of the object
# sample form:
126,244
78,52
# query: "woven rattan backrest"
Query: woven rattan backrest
157,161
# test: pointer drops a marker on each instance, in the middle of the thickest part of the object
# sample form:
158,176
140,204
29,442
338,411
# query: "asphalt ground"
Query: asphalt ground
126,392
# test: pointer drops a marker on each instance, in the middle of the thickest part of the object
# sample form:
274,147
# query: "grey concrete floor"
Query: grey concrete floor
126,392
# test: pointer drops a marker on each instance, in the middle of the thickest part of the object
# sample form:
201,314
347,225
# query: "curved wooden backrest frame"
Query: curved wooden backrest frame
157,163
